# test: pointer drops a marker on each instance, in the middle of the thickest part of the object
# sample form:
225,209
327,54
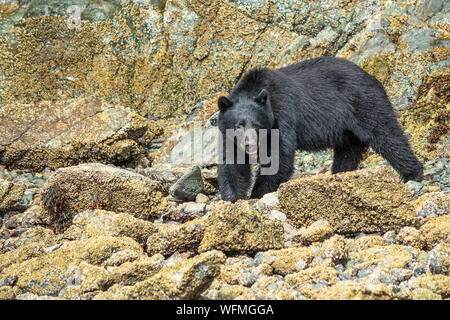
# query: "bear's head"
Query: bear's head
246,115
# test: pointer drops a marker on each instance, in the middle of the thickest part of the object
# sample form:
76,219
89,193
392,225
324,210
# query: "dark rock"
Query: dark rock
189,185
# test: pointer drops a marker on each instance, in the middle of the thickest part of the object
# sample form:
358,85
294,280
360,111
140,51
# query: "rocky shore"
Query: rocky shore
357,235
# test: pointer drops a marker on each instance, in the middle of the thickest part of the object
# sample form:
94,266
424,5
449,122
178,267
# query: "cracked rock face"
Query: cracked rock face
63,133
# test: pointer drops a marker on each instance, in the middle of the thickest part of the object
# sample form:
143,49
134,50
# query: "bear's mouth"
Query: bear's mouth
248,140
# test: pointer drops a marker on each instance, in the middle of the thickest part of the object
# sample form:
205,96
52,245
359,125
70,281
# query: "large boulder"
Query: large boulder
97,186
240,228
369,200
176,238
68,132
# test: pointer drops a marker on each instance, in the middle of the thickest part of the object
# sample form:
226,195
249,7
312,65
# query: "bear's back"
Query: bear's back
325,68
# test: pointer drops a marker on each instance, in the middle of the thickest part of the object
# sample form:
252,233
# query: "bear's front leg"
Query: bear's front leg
234,181
263,185
266,183
270,183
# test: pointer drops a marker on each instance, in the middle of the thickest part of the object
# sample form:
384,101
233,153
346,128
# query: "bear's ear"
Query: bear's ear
224,103
262,97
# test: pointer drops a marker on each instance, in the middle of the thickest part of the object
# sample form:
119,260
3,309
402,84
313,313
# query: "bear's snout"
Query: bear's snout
248,140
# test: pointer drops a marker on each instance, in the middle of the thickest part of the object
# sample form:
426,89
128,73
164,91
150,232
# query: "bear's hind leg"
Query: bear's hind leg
394,147
347,156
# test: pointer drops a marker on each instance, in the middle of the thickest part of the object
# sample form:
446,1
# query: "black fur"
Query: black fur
316,104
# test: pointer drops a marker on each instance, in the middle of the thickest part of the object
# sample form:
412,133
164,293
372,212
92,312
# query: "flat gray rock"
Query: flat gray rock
189,185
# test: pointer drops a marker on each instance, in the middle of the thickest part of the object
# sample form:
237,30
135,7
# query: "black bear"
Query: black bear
320,103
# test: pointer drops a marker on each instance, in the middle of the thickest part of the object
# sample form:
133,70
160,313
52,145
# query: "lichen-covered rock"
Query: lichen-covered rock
238,227
120,257
426,119
362,263
432,204
176,238
68,132
274,287
424,294
37,235
94,223
96,186
239,270
285,261
21,254
163,58
365,242
410,236
130,273
320,275
352,290
83,282
317,231
438,284
10,195
223,291
336,249
7,293
439,261
435,231
368,200
187,279
34,216
73,263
